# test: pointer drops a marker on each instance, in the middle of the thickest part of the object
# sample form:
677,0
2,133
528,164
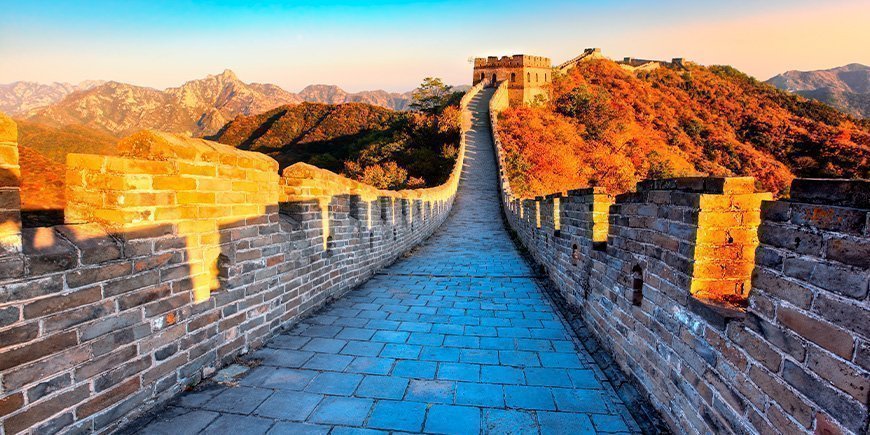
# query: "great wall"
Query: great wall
184,255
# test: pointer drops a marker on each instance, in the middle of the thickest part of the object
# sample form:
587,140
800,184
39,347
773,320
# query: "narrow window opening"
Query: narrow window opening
575,255
637,285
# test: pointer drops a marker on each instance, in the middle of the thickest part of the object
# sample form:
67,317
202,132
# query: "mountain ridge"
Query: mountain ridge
846,88
198,107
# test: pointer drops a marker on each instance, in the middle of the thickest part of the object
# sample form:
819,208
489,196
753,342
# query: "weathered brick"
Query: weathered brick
849,250
11,403
103,401
782,395
115,376
95,245
843,220
845,376
109,324
849,412
103,363
785,340
850,315
9,315
782,287
143,295
83,277
31,289
818,331
50,386
78,316
16,378
62,302
18,334
45,409
757,348
38,349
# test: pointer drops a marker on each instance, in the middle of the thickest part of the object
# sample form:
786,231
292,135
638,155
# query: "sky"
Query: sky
393,45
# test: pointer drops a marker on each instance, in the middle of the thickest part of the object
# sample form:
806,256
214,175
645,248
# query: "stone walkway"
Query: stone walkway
455,338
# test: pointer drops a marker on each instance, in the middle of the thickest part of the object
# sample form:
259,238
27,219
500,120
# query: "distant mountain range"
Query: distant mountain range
198,107
18,98
846,88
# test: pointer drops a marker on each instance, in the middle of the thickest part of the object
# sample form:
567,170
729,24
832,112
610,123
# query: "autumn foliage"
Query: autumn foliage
605,126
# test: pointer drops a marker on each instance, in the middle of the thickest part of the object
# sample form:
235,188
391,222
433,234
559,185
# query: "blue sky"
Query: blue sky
393,45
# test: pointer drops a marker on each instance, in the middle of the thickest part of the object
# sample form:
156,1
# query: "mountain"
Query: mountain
611,127
197,107
331,94
19,98
846,88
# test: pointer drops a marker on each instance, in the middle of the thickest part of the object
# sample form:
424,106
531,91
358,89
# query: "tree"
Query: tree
432,96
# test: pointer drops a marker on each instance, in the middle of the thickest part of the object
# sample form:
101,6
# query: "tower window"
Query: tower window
513,77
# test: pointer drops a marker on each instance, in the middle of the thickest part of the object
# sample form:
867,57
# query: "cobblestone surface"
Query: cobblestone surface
454,338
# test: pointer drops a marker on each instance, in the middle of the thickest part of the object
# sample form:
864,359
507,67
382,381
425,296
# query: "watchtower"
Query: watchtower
528,77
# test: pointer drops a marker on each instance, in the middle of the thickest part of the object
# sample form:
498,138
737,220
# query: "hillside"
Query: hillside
42,156
386,148
20,98
331,94
846,88
609,127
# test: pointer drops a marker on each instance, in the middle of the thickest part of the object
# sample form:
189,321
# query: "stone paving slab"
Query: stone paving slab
455,338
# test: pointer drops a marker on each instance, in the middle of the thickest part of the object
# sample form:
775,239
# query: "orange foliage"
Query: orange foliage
613,128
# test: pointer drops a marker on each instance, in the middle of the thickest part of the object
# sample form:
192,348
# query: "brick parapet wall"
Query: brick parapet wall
178,256
10,189
796,359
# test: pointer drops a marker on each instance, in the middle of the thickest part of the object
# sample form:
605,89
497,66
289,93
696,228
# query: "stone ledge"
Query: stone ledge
716,314
845,193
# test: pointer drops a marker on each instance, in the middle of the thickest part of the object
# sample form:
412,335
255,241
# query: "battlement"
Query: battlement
177,257
730,311
517,60
528,77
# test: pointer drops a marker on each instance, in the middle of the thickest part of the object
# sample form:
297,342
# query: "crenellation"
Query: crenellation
730,311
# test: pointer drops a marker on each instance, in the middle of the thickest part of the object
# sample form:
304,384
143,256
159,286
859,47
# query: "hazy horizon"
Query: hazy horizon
390,45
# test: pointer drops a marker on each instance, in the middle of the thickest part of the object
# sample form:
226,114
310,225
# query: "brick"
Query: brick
16,378
62,302
851,251
757,348
782,287
50,386
109,324
78,316
105,362
130,283
19,334
782,395
843,375
845,410
95,245
110,397
83,277
785,340
847,314
115,376
46,251
9,315
37,349
818,331
31,289
45,409
843,220
11,403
